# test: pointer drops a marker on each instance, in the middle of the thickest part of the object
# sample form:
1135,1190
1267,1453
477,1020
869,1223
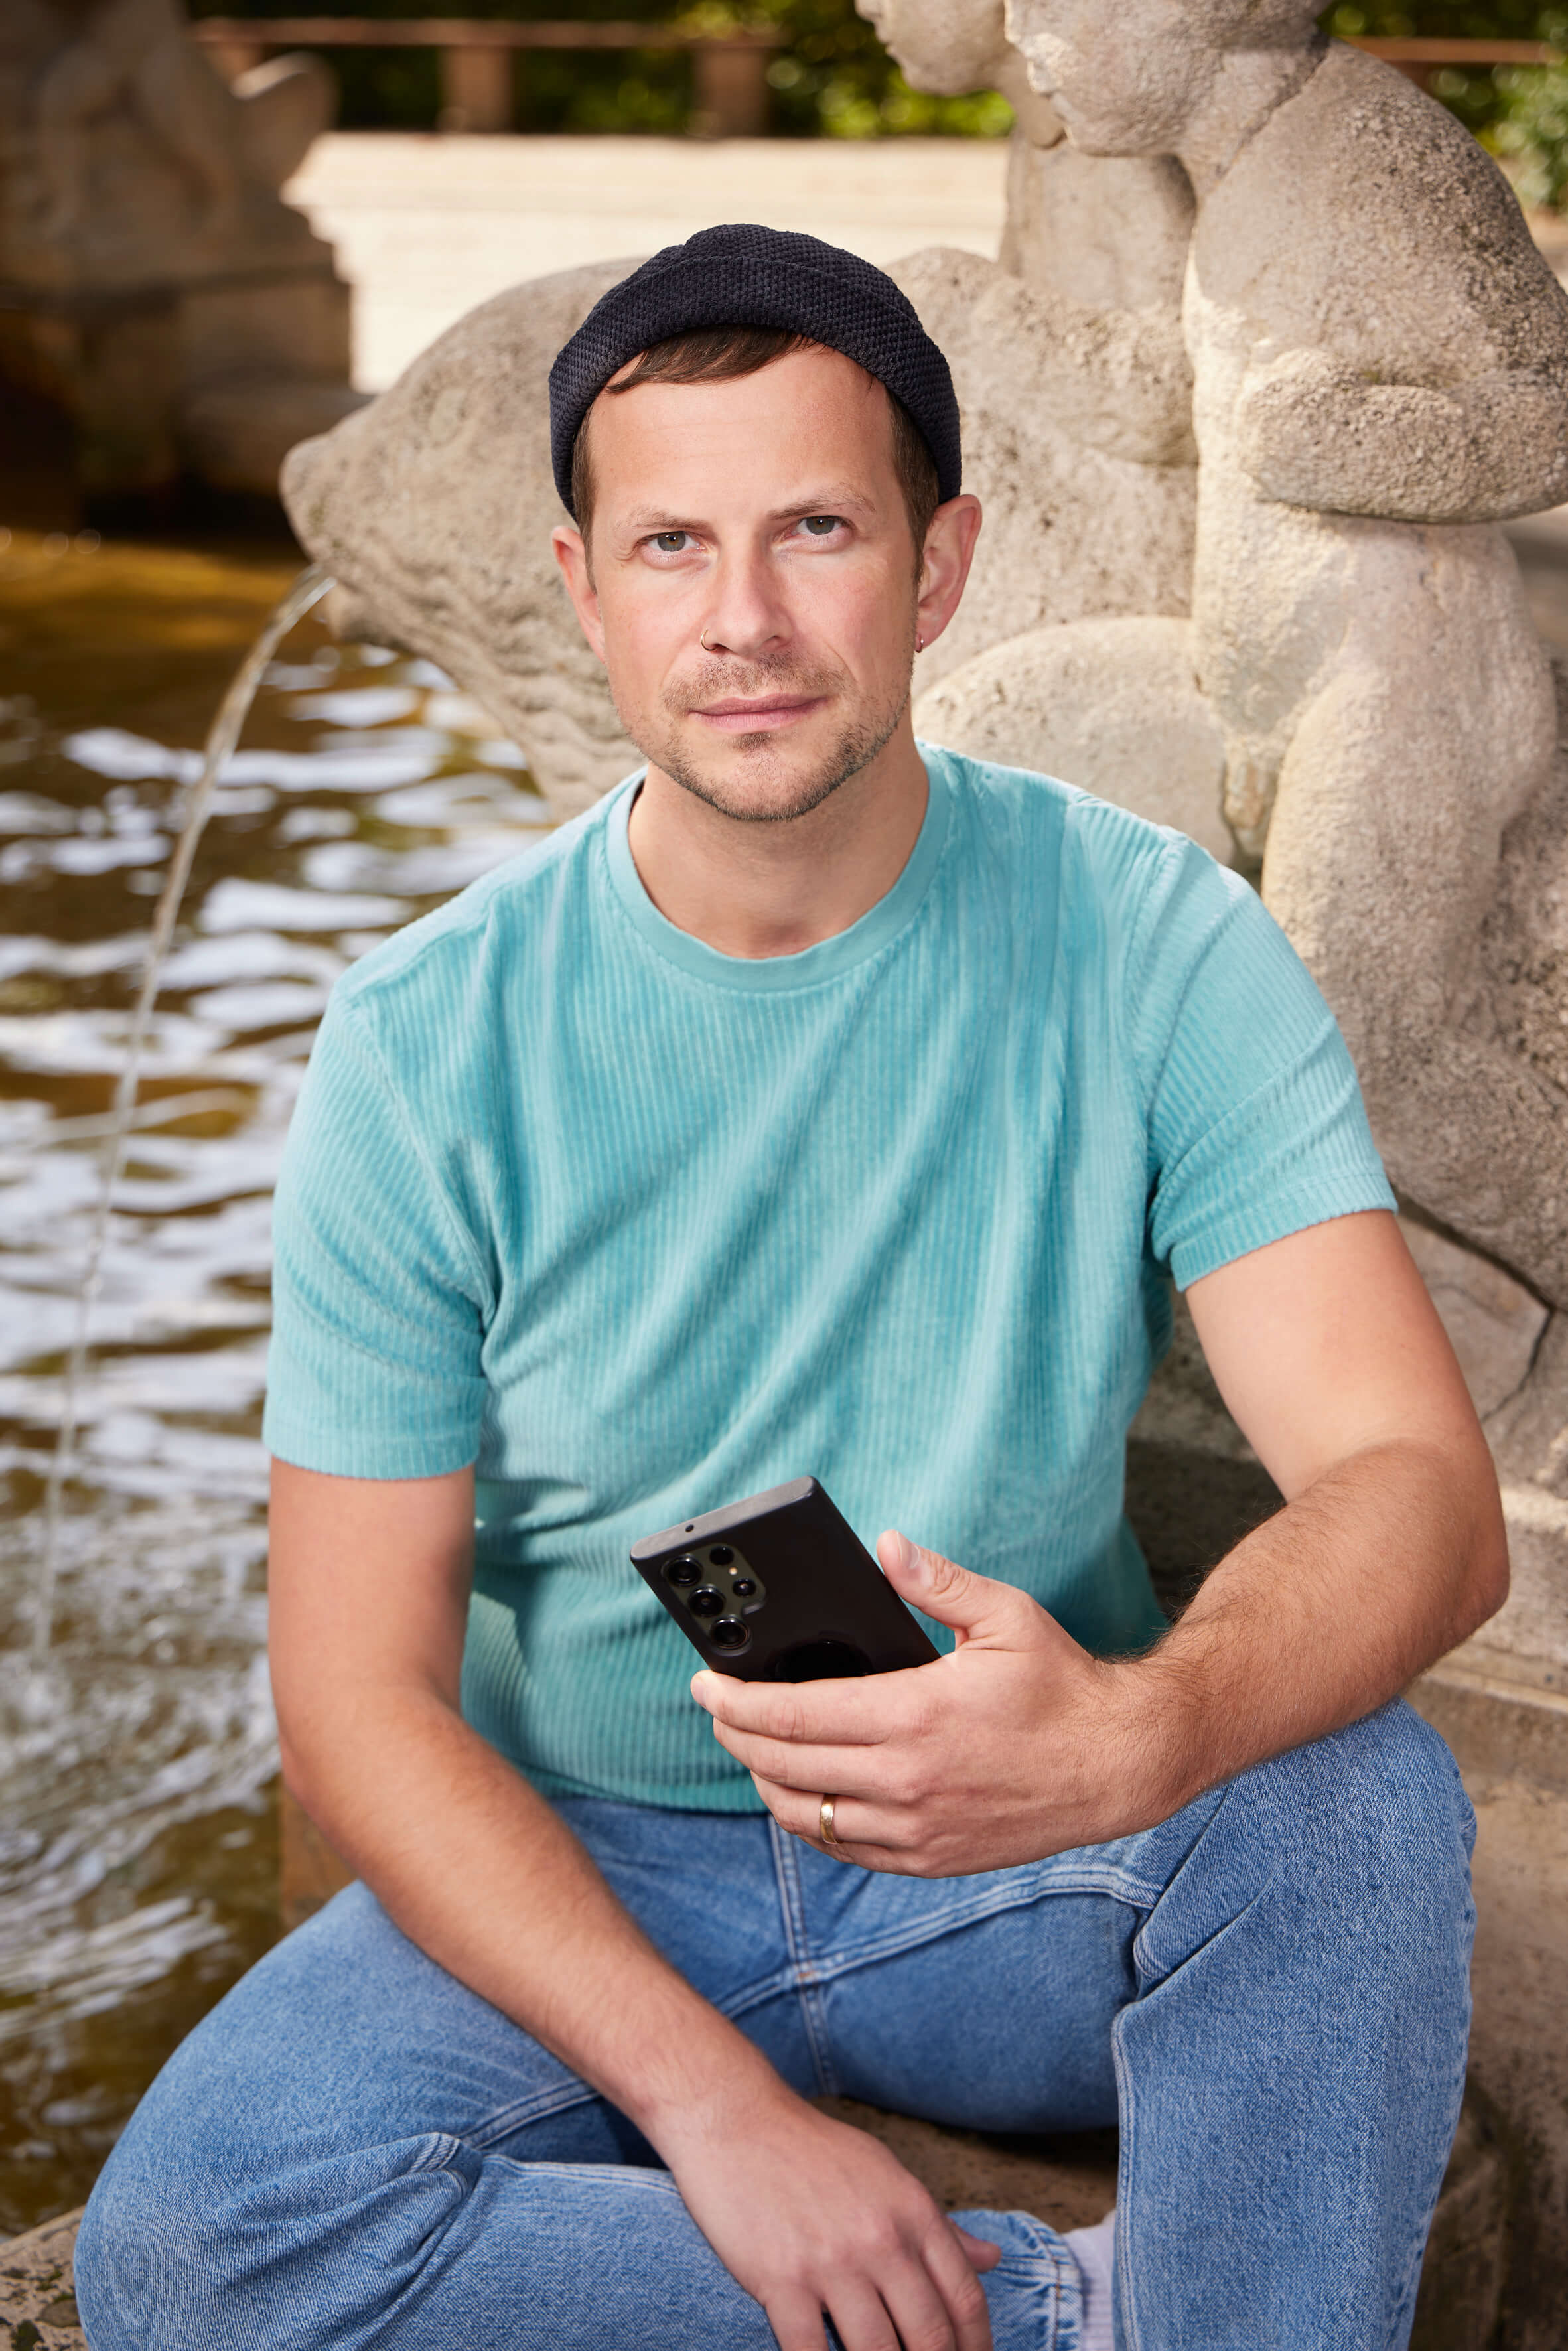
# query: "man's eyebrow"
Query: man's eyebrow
833,498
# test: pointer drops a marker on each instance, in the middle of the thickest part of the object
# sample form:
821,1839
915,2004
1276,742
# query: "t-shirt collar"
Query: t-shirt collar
829,958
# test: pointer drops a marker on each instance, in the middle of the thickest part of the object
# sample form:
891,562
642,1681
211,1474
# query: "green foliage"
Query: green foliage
1519,113
833,79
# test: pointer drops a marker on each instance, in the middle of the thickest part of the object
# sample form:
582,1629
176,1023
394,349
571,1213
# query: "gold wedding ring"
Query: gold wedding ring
825,1819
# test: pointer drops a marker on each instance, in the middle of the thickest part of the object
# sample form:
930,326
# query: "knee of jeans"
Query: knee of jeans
1379,1808
134,2272
184,2247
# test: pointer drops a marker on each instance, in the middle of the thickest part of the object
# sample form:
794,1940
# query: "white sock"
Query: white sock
1095,2251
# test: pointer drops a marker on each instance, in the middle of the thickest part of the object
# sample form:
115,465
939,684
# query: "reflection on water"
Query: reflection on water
138,1852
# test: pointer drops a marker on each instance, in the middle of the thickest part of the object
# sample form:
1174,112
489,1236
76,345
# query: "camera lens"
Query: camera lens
706,1603
721,1555
730,1633
683,1570
743,1587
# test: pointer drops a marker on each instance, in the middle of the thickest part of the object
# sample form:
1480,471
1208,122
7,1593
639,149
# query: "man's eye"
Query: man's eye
671,542
819,525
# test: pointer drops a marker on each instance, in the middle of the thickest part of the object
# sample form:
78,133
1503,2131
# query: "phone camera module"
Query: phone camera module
730,1633
685,1570
707,1602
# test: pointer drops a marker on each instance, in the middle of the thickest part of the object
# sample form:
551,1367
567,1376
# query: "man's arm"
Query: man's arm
1315,432
1390,1548
370,1584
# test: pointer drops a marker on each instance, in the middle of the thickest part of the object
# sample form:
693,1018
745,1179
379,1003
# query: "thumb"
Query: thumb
975,1607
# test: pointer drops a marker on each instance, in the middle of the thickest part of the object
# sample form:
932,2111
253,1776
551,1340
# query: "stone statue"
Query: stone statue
1380,365
1067,357
432,509
162,293
1077,396
133,159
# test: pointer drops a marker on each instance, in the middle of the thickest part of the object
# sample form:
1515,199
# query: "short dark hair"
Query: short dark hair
719,354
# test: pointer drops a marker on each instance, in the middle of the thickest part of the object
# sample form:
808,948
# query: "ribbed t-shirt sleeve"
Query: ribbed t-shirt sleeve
375,1369
1255,1120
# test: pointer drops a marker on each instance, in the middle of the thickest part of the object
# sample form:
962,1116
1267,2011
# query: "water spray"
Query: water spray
306,590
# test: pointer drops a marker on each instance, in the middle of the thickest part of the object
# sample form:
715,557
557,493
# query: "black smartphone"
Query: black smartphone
778,1589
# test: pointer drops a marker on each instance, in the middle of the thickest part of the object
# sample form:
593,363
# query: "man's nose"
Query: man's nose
745,615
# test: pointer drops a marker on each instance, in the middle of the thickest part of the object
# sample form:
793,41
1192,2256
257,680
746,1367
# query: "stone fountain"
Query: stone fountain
162,311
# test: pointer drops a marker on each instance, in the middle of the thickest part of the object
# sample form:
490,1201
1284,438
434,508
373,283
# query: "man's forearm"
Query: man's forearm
1319,1616
480,1871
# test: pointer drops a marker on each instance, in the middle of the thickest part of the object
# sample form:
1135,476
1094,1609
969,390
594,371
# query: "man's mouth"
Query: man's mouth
757,714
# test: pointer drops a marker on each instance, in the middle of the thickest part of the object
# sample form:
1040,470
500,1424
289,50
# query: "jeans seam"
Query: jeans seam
1127,2334
792,1910
1066,2332
828,1966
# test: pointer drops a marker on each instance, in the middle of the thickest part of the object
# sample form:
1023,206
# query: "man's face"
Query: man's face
753,587
1125,80
949,46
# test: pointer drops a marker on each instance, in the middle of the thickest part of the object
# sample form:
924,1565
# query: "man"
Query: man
819,1103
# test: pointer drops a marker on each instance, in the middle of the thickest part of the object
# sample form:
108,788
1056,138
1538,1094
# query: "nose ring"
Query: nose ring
704,643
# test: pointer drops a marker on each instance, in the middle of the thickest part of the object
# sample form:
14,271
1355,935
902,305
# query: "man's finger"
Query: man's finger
801,1816
862,2321
797,2321
858,1711
975,1605
835,1771
952,2265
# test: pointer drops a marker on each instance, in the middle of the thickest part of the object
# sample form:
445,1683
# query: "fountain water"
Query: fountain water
306,590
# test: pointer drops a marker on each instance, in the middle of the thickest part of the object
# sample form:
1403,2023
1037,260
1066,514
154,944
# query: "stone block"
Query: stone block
1493,1322
110,368
36,2302
293,322
236,435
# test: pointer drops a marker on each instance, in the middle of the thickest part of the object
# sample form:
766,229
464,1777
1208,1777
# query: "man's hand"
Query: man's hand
1390,1549
810,2215
1017,1745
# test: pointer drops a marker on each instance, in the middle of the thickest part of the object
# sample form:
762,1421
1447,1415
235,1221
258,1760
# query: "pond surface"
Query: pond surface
137,1831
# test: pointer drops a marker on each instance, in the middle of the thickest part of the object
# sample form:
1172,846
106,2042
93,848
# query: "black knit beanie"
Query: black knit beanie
743,275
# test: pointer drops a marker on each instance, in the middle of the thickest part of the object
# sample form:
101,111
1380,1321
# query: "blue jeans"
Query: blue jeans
1270,1991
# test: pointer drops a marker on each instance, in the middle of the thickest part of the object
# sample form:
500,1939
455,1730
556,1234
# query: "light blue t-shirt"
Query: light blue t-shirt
643,1228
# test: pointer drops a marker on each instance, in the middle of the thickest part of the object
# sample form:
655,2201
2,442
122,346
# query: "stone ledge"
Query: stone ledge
37,2302
1500,1717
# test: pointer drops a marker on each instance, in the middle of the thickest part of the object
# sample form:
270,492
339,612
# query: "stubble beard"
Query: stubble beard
750,777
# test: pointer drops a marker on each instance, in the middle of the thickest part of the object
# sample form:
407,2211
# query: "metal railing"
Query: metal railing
729,70
1421,58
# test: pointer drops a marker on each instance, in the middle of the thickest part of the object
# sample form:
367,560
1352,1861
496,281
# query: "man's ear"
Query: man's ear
949,551
572,554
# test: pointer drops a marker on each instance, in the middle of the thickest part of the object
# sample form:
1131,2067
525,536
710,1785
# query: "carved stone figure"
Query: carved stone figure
159,291
1066,355
434,507
1380,363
